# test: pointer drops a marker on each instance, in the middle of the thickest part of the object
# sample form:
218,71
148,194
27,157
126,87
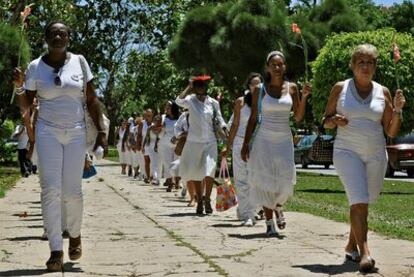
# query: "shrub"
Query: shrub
332,65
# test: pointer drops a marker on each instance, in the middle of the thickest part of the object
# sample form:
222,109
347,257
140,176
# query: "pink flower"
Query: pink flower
396,53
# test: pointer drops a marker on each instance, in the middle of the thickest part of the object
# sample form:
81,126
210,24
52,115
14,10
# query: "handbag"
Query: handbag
226,194
89,169
91,131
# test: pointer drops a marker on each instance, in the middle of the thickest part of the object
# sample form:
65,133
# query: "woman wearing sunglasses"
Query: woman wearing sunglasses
57,80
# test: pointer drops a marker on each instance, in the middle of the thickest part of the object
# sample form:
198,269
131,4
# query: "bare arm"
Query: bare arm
299,104
94,107
331,118
251,125
391,119
234,126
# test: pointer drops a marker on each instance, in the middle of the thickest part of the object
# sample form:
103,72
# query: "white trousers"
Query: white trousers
61,156
166,156
246,208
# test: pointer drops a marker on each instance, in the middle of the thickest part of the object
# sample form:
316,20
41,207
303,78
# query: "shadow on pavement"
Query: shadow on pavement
331,269
261,235
343,192
28,215
184,214
24,239
68,267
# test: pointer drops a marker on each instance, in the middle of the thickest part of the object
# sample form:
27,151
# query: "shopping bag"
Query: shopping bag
226,194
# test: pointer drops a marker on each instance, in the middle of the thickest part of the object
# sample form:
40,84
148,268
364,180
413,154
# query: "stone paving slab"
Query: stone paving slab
134,229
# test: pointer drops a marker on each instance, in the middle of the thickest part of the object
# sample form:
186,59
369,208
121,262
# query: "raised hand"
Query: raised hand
307,90
399,100
18,77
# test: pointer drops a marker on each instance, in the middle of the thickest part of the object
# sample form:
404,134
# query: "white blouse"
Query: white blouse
201,117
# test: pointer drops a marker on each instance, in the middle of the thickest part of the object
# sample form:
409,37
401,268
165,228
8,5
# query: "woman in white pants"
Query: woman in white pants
363,111
166,153
121,150
271,166
57,79
199,157
241,112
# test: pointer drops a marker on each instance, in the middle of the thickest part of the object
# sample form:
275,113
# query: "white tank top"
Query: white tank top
364,131
275,116
244,118
168,130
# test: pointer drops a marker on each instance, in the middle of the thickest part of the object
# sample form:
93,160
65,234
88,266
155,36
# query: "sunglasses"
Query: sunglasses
57,80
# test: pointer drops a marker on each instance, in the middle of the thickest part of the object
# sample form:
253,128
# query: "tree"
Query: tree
332,65
230,40
402,17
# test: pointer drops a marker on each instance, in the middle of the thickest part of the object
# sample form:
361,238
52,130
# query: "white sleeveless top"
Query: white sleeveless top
121,133
275,116
168,130
364,130
244,118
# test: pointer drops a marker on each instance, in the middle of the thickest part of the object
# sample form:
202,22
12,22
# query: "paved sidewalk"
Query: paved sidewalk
132,229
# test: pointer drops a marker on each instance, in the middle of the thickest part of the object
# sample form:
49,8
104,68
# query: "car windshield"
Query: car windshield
405,139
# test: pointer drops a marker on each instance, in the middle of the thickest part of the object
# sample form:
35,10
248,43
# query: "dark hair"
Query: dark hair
251,76
175,110
49,26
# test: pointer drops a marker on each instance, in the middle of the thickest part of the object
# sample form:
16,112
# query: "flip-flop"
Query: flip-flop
367,267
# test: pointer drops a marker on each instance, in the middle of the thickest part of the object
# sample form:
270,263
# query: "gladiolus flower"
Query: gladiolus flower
295,28
396,53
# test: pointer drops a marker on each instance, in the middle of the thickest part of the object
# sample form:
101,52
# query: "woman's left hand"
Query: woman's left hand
399,100
101,141
307,90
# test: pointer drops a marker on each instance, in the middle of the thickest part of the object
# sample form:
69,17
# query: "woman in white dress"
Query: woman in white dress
199,156
241,113
148,117
166,146
151,143
271,166
362,111
121,150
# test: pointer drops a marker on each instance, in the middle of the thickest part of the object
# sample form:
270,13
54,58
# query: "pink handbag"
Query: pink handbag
226,194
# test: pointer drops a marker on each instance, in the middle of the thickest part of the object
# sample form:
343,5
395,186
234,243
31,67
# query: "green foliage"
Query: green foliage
230,40
6,129
403,17
332,65
375,16
8,178
11,41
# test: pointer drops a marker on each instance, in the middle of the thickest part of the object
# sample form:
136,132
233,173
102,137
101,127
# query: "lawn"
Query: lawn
112,154
8,178
322,195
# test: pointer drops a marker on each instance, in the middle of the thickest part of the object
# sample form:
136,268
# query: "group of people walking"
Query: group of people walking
258,138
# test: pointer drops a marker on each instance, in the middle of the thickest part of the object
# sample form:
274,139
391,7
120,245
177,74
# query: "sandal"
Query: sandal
270,228
352,256
55,262
367,264
191,203
207,206
280,219
75,248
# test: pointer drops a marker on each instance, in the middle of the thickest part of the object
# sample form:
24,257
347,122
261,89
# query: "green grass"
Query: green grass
112,154
392,215
8,178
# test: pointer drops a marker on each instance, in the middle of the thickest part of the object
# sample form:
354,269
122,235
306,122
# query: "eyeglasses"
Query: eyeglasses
58,81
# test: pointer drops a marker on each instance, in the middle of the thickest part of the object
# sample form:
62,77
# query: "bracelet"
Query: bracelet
19,90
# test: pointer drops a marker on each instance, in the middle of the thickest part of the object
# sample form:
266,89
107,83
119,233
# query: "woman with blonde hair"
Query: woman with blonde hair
362,111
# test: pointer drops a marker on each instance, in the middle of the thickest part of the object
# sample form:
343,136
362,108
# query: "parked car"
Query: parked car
401,155
314,149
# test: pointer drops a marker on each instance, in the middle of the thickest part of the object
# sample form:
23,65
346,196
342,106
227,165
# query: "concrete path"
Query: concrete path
132,229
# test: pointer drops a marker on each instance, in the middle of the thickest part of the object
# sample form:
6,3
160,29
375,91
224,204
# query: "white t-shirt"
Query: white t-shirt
59,106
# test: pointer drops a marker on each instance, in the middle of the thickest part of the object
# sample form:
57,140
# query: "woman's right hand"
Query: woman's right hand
340,120
245,152
18,77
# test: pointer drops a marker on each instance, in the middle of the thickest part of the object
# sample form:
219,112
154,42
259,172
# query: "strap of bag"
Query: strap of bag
259,104
224,168
85,82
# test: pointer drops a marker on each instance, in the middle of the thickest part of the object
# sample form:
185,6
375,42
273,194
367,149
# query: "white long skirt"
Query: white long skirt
166,156
122,155
198,160
246,209
271,170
